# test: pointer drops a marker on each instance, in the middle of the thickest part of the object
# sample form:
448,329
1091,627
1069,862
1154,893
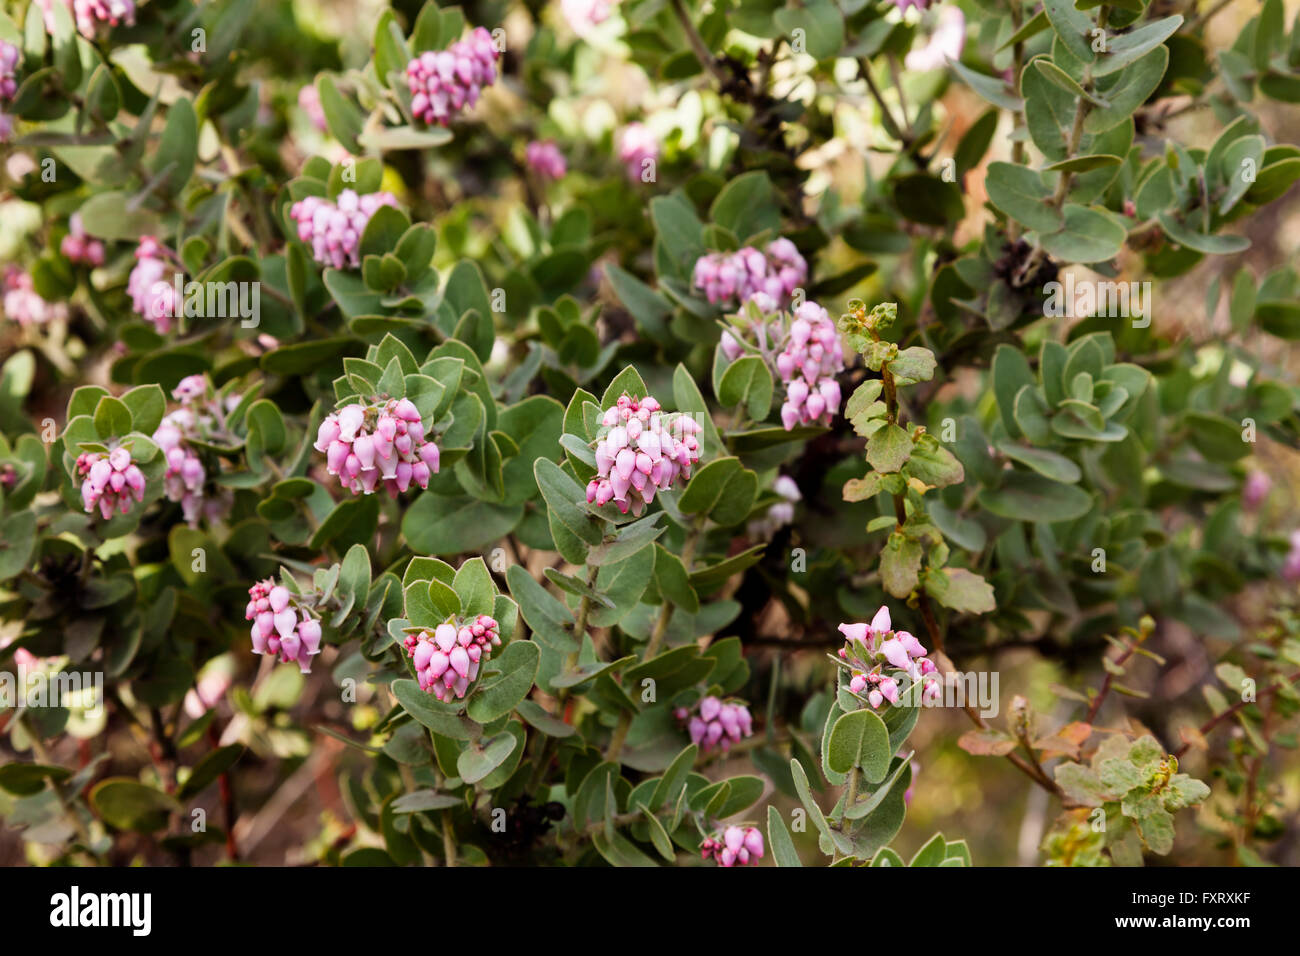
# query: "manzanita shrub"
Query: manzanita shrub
638,432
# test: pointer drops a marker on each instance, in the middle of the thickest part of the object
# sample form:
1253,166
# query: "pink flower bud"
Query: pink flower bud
438,663
889,689
423,651
445,637
815,406
279,598
733,838
430,455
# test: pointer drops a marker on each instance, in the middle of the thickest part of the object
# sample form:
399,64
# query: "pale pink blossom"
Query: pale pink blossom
309,103
152,286
946,41
779,513
584,15
79,247
638,150
23,304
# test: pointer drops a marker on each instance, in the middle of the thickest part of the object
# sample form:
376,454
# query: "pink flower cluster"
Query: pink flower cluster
22,304
309,103
781,513
280,627
382,441
545,159
109,479
10,55
214,680
78,247
638,150
444,83
717,725
643,451
738,276
334,229
153,295
447,659
808,364
185,477
738,846
89,15
1291,567
190,388
871,646
947,40
803,350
